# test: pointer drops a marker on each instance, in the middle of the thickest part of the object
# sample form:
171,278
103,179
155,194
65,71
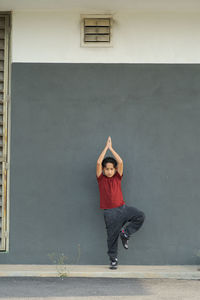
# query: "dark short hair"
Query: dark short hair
109,159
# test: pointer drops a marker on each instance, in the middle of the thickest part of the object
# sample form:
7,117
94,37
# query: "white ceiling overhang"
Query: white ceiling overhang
102,5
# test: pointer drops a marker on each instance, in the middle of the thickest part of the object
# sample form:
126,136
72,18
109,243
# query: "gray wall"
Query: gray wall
61,116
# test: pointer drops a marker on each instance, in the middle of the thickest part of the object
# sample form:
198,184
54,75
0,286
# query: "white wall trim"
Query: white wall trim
54,37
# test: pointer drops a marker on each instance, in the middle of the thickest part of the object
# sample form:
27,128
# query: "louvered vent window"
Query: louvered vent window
96,30
4,42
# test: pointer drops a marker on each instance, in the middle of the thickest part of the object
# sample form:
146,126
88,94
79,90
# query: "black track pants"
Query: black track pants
115,218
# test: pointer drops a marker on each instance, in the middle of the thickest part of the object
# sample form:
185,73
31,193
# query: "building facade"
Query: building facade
66,86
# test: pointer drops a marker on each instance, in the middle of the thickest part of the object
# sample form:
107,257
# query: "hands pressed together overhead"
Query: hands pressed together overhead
109,143
109,146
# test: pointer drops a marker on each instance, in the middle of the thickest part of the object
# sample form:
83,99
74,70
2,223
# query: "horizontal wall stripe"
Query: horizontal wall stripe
54,37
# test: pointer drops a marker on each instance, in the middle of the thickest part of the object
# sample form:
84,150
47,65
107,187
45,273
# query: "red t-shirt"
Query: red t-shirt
110,191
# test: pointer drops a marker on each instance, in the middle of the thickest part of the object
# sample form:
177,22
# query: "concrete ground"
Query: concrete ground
55,288
123,271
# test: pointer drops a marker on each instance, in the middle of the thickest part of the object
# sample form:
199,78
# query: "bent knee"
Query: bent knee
142,216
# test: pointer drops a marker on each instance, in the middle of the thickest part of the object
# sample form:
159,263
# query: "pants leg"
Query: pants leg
114,220
136,218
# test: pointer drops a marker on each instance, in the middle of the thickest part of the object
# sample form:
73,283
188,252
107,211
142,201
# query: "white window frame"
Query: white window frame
5,159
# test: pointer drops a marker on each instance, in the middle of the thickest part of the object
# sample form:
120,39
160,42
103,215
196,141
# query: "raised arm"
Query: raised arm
101,156
100,159
118,159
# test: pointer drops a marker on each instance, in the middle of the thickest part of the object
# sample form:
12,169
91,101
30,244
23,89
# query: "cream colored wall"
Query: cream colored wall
165,37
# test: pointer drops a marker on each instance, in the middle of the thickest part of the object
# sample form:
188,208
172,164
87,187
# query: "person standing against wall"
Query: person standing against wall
109,173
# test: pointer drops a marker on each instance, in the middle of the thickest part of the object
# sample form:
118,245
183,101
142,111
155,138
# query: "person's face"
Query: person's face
109,170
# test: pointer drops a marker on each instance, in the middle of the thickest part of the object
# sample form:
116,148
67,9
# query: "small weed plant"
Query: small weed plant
61,260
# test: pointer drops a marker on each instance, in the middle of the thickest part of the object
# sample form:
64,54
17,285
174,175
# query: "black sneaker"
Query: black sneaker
114,263
124,237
